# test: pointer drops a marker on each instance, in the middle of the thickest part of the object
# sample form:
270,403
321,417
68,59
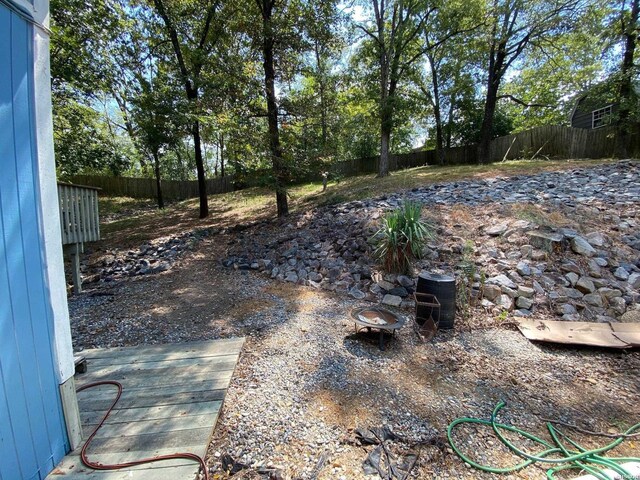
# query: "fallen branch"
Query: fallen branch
504,159
538,151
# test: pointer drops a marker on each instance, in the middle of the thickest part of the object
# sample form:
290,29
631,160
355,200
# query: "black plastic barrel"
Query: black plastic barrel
443,287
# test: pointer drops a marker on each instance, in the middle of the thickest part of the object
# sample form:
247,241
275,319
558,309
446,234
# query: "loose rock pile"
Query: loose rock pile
590,271
153,257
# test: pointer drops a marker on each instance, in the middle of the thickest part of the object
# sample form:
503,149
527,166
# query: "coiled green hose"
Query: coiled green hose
571,457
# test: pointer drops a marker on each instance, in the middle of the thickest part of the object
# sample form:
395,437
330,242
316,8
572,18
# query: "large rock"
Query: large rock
491,292
393,300
573,278
580,246
385,285
548,241
527,292
609,293
585,285
621,274
505,302
523,269
594,268
596,239
618,305
565,309
593,299
509,291
634,281
632,316
524,302
291,277
569,292
502,280
497,230
399,291
356,293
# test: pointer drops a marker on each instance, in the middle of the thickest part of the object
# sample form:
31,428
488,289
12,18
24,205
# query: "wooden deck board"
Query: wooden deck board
136,381
149,426
155,413
226,344
172,395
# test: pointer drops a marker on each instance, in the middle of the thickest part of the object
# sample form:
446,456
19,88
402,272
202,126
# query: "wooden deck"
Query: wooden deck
171,398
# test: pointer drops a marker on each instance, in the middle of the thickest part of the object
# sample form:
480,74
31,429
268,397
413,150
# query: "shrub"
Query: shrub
401,238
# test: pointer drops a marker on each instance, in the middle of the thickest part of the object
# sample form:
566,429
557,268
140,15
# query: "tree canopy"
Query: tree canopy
279,91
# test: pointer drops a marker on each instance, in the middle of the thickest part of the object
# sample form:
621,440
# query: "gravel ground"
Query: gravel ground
305,381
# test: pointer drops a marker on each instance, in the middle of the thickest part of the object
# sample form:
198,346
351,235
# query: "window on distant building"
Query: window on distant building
601,117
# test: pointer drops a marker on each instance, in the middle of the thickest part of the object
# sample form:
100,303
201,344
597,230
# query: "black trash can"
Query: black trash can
443,287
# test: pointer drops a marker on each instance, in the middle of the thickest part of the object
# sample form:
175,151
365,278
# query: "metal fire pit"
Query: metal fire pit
377,317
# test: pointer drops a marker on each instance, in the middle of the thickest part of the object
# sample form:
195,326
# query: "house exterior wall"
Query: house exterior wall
35,345
582,114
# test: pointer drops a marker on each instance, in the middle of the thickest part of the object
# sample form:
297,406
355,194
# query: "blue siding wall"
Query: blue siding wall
32,431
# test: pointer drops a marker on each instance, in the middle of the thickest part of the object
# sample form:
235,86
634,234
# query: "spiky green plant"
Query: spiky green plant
402,237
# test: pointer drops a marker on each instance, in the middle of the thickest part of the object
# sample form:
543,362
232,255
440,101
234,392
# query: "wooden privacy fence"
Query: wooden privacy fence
146,187
552,141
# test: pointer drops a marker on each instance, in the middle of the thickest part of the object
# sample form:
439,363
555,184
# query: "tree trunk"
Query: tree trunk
191,89
323,107
386,125
202,184
279,169
221,150
440,155
385,136
452,103
496,62
156,161
487,126
626,86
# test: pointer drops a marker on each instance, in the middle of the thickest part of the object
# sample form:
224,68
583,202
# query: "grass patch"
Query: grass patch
539,215
134,220
123,205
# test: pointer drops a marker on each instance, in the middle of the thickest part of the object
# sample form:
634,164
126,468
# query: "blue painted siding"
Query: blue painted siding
33,437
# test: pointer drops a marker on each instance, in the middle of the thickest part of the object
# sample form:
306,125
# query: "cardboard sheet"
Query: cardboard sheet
611,335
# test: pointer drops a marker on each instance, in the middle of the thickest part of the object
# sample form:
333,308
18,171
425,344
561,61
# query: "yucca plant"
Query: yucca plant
401,238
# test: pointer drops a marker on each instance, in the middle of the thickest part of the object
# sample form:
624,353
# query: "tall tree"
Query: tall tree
395,31
513,27
156,119
445,37
629,29
269,33
193,44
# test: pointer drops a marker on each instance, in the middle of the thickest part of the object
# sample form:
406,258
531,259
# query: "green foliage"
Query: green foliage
466,129
82,141
464,289
119,88
401,238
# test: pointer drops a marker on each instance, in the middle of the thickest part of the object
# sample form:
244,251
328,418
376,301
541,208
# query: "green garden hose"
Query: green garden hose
566,453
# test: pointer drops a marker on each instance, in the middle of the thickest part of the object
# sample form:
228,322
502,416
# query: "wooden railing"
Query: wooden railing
79,223
79,220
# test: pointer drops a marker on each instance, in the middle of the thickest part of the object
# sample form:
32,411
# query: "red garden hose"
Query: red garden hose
117,466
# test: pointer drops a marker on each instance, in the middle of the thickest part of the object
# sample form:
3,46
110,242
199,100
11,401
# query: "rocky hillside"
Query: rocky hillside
562,244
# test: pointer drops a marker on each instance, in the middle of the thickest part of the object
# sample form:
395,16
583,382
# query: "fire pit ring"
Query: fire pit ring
377,317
